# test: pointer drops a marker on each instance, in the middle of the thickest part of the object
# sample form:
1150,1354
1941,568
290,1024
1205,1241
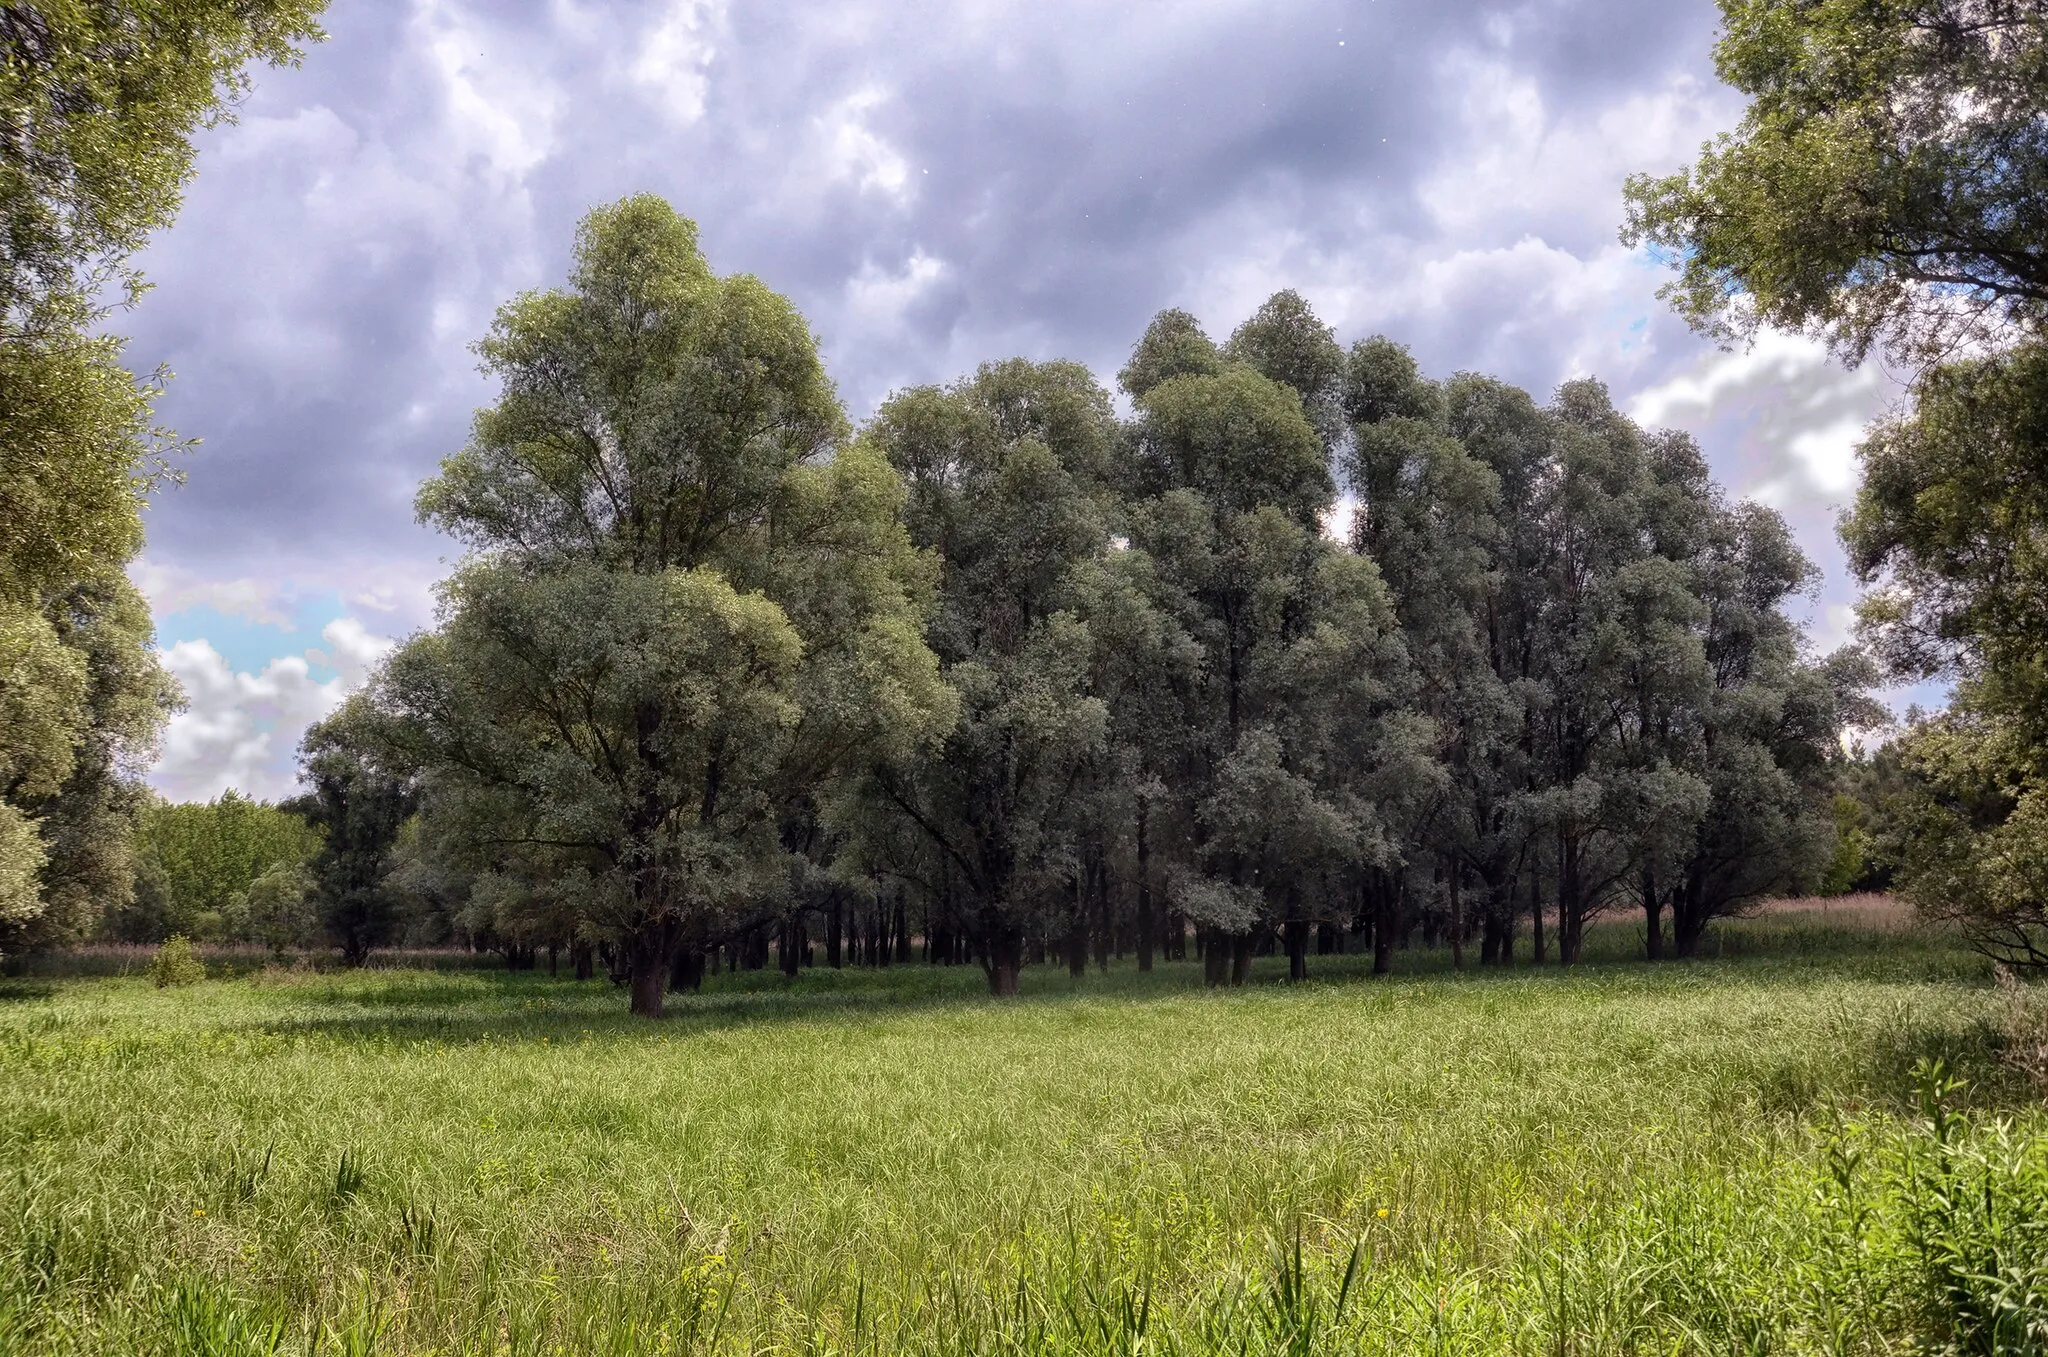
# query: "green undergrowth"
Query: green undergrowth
1814,1147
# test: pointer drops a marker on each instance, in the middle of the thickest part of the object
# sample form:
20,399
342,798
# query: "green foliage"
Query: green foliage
1948,532
1626,1159
1004,475
1977,1201
358,805
21,865
1038,678
1603,646
1887,188
99,103
1967,833
688,616
278,910
1888,182
1850,866
205,857
175,963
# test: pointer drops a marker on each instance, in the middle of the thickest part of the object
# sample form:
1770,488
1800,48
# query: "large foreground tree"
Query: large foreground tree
1888,185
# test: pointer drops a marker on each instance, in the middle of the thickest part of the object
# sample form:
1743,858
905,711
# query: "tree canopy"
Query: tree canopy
1888,188
1888,185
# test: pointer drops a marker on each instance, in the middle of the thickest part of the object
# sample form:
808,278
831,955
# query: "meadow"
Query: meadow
1824,1139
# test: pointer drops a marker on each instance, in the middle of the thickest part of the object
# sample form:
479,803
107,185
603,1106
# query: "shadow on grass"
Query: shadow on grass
14,991
452,1009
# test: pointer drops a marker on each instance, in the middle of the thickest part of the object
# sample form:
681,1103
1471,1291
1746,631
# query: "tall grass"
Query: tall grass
1725,1157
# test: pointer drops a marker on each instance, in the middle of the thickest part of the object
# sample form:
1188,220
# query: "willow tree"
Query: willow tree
1288,724
1888,184
688,605
1006,475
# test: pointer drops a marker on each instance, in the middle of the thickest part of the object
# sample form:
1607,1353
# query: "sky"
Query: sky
934,185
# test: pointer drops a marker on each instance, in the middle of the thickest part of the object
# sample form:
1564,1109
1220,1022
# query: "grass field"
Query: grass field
1718,1157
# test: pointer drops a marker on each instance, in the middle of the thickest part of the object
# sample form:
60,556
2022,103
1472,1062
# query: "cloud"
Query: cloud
857,153
173,589
675,57
242,729
1788,416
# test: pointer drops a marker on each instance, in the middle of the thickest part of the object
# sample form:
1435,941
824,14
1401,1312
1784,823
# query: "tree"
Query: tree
1966,834
359,802
1006,484
1600,647
1230,481
206,856
1947,532
98,104
686,612
278,909
1887,189
1431,516
1888,185
122,695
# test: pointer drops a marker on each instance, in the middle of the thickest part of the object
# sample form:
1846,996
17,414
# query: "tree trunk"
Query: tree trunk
1536,942
1457,921
1240,958
1098,892
793,944
1571,909
1215,964
1004,958
902,928
1688,921
1077,948
1386,926
835,929
1146,924
1653,918
585,959
648,956
1297,949
686,975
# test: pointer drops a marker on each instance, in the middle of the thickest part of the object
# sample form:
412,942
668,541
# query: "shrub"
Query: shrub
176,964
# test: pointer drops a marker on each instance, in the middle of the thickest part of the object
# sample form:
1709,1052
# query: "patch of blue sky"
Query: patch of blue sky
249,646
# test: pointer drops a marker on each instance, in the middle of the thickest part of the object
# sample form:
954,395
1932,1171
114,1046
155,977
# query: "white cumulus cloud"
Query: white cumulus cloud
242,730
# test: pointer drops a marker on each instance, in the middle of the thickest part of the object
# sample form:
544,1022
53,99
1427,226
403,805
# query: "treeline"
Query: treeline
1006,676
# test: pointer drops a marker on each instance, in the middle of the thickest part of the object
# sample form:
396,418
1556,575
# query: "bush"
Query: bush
175,963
